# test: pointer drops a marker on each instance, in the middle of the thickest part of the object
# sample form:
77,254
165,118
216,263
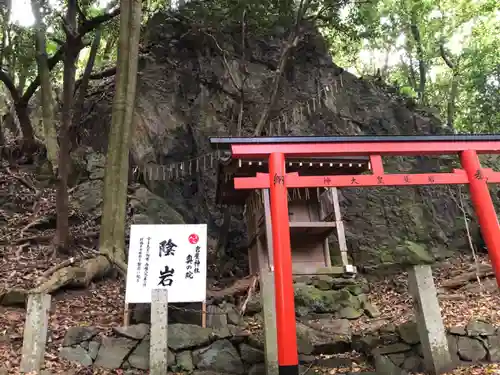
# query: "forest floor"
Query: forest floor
27,217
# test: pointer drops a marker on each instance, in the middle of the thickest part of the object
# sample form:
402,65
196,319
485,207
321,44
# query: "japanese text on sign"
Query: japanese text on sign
280,180
167,256
146,264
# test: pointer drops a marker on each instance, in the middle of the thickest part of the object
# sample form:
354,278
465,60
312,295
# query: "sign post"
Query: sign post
166,264
167,256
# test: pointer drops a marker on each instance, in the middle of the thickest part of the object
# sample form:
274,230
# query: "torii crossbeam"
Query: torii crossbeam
277,149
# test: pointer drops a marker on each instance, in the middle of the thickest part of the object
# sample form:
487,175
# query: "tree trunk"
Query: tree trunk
25,122
110,44
420,55
5,28
82,89
450,110
112,239
292,42
273,98
61,240
49,128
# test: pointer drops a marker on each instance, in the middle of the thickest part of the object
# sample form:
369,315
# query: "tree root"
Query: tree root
45,238
251,290
239,287
66,275
76,276
23,180
484,270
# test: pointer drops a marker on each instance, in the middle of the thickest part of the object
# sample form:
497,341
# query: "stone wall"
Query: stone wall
397,350
233,350
225,350
191,348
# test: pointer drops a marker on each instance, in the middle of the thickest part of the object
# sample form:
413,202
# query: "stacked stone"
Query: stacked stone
397,350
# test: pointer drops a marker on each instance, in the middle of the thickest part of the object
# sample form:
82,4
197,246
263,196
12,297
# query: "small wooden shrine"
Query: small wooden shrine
314,213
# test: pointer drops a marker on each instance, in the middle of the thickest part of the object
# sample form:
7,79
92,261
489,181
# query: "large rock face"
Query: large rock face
185,95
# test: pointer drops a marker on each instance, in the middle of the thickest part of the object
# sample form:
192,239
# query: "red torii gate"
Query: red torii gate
277,180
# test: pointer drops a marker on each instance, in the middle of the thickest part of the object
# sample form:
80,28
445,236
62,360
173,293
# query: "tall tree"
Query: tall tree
42,59
70,55
112,239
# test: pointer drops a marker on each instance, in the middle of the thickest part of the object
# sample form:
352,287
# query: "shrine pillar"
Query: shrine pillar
288,360
483,206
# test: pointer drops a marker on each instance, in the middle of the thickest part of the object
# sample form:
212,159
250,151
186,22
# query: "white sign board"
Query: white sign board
167,256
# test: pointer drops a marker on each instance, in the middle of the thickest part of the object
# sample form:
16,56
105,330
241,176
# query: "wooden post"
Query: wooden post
326,246
126,315
35,332
340,227
270,334
431,330
267,295
158,352
204,314
269,230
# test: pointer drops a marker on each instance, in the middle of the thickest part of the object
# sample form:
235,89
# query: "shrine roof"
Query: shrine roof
229,168
222,143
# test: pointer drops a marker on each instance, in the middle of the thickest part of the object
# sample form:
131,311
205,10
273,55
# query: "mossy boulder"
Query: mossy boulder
414,253
355,289
316,300
349,300
323,282
349,312
406,253
310,299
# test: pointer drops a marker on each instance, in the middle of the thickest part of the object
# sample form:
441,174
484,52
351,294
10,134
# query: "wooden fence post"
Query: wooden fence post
158,354
437,358
269,311
35,332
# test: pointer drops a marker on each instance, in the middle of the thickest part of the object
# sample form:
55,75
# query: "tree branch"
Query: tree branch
9,83
80,12
109,72
78,108
445,58
83,29
414,27
291,43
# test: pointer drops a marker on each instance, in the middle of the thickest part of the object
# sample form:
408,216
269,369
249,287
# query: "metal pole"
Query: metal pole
288,361
483,205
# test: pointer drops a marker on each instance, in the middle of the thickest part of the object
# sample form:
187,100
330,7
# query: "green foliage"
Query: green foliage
381,39
408,91
367,37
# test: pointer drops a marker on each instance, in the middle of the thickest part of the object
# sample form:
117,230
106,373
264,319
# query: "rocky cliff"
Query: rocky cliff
186,93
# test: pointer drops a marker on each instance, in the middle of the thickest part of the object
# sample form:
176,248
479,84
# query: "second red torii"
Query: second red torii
278,181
